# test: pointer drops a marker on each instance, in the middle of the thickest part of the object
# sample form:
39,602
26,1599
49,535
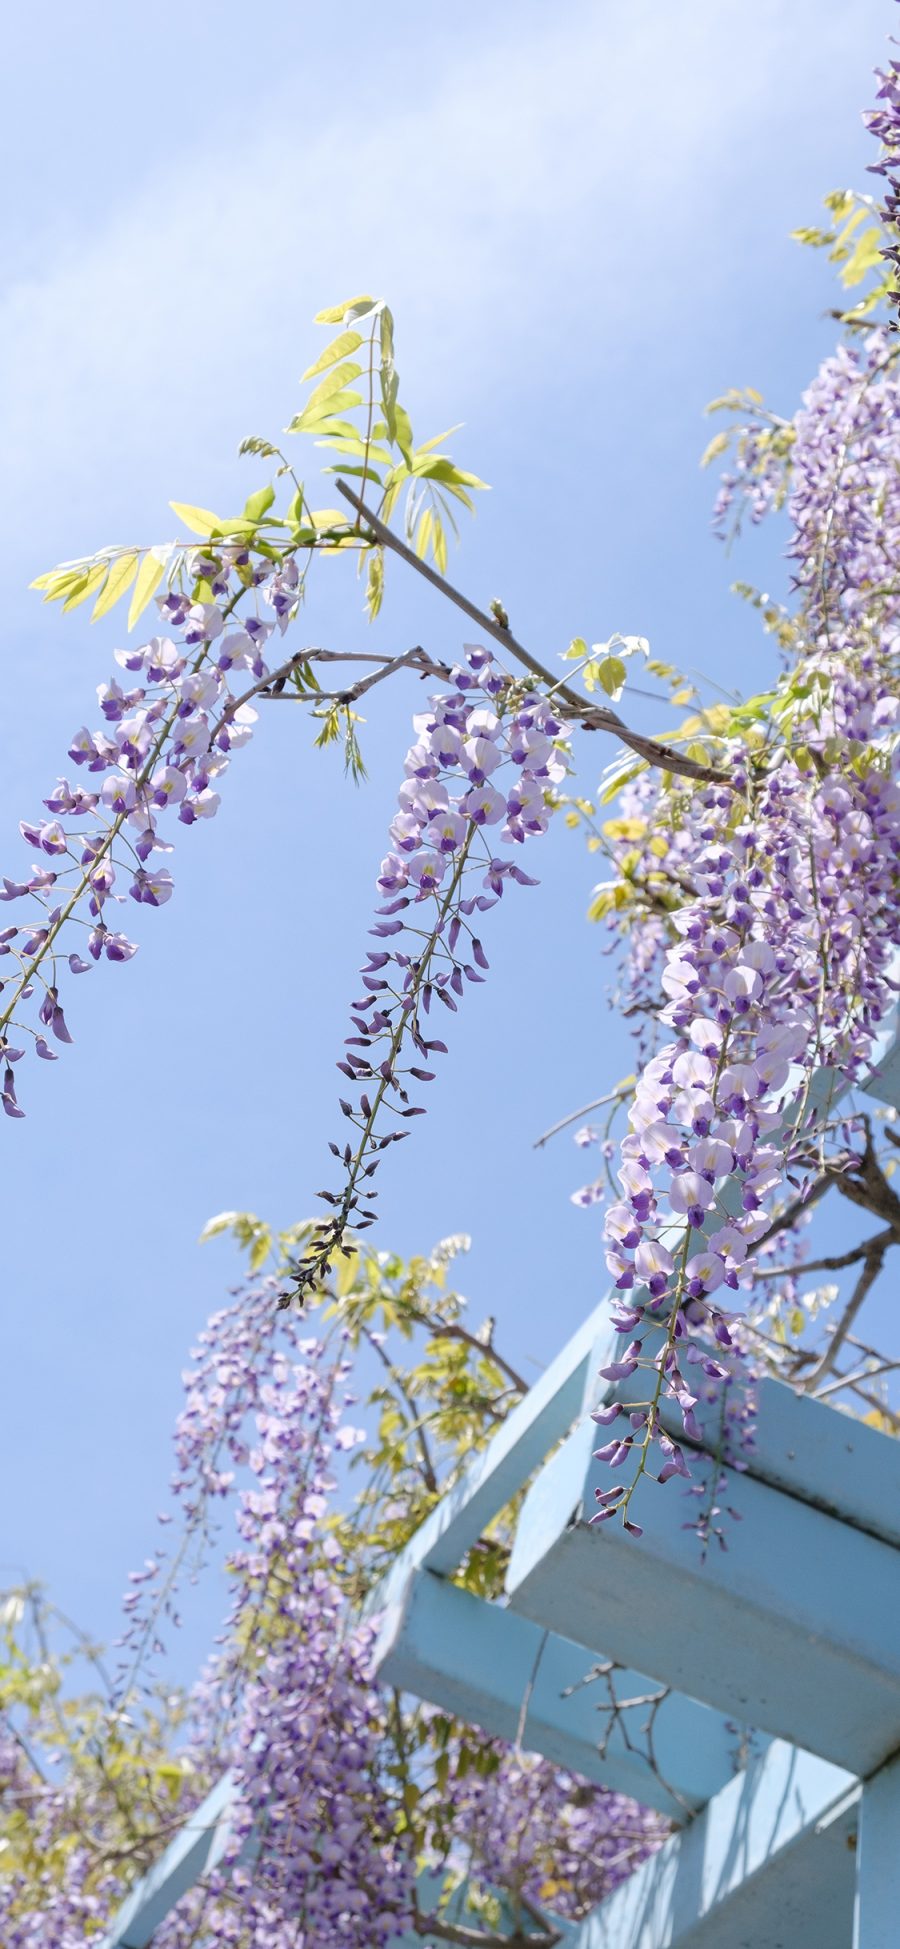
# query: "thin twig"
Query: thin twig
872,1265
528,1693
836,1263
867,1372
592,717
612,1096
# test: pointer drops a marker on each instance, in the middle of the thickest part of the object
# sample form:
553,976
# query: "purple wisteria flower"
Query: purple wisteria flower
163,749
473,765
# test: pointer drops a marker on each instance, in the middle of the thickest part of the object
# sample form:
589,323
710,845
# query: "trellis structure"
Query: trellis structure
772,1669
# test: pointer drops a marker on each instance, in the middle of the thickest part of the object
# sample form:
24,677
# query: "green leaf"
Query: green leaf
620,773
327,518
865,257
423,536
404,433
150,575
335,313
120,578
224,1221
375,582
343,375
359,449
577,650
200,520
316,417
338,349
335,428
718,444
260,1249
258,504
611,674
86,586
428,446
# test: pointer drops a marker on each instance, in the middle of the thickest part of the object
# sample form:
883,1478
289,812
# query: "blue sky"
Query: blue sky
583,230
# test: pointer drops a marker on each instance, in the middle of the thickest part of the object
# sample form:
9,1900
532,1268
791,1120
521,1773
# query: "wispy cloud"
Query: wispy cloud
556,177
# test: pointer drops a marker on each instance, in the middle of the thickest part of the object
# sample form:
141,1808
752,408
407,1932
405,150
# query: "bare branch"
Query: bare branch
482,1938
872,1265
612,1096
836,1263
591,717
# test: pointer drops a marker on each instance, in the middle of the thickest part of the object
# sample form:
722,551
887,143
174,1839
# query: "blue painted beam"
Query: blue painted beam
198,1847
768,1865
501,1672
809,1449
793,1628
884,1079
539,1421
876,1922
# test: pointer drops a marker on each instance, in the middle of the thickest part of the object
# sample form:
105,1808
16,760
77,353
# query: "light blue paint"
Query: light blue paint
494,1669
884,1081
766,1866
794,1628
540,1420
197,1848
876,1922
807,1448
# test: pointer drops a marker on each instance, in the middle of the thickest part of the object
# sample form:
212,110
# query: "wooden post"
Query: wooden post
877,1914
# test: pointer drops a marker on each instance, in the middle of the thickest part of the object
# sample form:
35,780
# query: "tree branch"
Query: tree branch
836,1263
453,1330
592,717
612,1096
872,1264
481,1938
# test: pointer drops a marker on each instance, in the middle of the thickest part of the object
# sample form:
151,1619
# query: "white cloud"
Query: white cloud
555,175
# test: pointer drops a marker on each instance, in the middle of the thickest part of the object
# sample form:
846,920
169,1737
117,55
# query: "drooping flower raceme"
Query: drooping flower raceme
168,732
481,773
780,962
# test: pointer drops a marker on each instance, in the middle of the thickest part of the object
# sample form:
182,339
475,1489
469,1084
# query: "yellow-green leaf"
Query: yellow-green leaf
334,313
327,518
223,1222
423,535
120,578
85,587
61,582
150,575
338,349
342,376
428,446
200,520
718,444
865,257
319,415
259,504
611,675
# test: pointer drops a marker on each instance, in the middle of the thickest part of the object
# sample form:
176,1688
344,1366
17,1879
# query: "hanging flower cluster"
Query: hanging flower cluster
545,1836
486,758
165,743
884,123
781,958
782,968
323,1763
289,1705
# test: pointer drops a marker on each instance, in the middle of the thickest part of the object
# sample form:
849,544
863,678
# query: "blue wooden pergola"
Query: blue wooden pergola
776,1745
